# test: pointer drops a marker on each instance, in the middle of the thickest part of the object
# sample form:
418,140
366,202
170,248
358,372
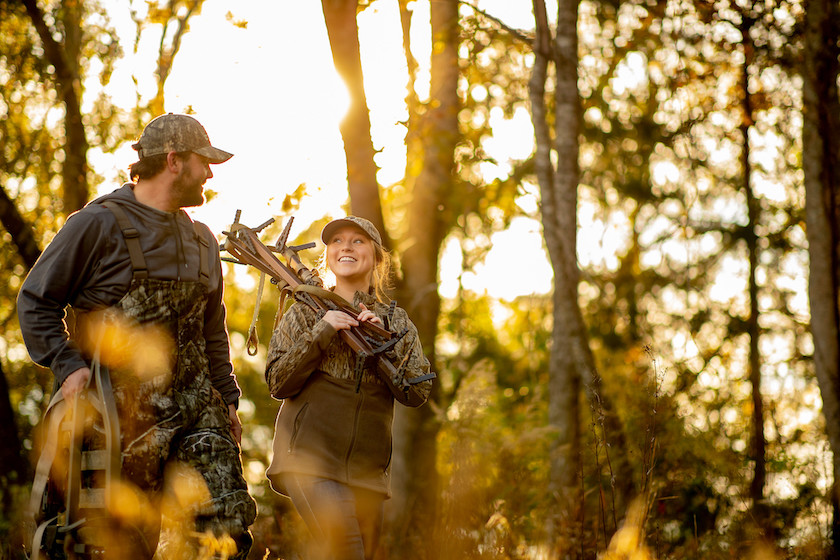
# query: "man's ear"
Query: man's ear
173,162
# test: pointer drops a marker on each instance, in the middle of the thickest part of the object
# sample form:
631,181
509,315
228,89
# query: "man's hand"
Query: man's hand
235,424
74,383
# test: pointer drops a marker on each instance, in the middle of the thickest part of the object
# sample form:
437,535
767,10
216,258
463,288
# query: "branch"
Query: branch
166,56
52,49
23,236
515,33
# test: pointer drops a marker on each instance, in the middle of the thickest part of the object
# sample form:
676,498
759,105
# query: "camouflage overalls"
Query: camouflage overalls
175,425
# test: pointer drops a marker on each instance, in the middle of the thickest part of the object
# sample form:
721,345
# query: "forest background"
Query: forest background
616,226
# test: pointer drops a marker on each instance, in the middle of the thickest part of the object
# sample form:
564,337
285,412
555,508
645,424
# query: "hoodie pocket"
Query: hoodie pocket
301,415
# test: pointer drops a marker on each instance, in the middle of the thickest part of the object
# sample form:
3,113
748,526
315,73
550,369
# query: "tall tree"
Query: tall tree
64,55
821,166
433,146
412,510
663,84
758,443
437,198
558,188
343,32
572,364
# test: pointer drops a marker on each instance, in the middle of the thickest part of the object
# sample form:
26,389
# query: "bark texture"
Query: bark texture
572,365
820,153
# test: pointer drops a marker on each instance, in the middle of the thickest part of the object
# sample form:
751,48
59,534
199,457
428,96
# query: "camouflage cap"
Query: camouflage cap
177,133
361,223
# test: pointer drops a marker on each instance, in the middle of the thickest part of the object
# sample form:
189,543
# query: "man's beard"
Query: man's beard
187,189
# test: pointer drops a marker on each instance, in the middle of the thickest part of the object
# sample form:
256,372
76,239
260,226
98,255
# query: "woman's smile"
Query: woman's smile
351,258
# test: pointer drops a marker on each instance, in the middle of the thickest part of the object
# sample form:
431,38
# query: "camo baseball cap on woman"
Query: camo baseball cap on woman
177,133
361,223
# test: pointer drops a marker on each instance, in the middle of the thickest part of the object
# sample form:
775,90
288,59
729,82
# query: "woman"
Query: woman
332,440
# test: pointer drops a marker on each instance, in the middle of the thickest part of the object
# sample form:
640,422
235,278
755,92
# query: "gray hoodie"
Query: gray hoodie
87,266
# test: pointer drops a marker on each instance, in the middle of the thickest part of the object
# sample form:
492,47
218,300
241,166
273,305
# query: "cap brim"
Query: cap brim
215,155
336,224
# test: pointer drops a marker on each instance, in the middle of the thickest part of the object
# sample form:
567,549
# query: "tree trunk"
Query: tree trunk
758,444
415,478
821,151
340,18
558,188
23,237
13,467
64,59
411,512
572,364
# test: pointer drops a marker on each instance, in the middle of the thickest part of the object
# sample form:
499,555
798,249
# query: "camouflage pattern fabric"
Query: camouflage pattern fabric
177,447
177,133
334,424
293,345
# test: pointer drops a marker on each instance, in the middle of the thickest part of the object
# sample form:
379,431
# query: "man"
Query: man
144,285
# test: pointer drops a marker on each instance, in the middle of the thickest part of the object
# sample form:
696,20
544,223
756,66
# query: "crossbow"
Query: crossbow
372,343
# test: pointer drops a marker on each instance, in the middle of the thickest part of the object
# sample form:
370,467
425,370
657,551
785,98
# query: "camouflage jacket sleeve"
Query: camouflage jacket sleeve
417,364
296,349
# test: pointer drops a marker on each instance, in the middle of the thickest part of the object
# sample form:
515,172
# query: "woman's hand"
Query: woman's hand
341,320
367,315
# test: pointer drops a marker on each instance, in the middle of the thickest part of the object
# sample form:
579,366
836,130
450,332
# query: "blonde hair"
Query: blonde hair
380,276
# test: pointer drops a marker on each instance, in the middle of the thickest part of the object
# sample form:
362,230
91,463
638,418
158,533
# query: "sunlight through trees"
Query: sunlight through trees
669,390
